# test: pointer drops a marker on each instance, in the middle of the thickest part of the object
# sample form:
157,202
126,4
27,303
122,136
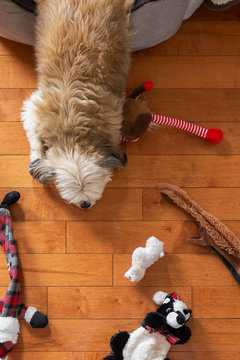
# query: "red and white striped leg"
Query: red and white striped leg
212,135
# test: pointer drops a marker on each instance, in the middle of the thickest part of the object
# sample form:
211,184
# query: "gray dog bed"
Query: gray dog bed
152,21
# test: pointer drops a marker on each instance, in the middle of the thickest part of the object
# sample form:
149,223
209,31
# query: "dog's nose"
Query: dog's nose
85,205
180,319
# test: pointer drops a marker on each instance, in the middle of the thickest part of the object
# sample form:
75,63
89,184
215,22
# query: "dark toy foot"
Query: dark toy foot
10,199
39,320
119,340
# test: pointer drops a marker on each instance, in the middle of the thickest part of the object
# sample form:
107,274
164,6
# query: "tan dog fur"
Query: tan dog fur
73,119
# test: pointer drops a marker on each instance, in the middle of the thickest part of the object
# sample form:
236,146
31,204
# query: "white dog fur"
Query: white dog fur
73,119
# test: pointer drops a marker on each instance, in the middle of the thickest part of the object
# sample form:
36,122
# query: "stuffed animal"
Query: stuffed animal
137,118
11,306
143,258
159,329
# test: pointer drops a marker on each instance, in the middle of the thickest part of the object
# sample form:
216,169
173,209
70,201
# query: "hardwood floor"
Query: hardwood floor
73,262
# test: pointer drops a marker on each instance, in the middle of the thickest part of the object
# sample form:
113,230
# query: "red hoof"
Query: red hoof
214,135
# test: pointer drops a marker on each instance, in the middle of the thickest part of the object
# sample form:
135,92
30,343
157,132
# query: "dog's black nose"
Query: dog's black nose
85,205
180,319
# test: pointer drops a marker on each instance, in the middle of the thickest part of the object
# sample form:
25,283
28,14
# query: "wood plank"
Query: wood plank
181,269
186,71
216,302
143,171
13,139
17,72
40,236
106,303
46,204
16,355
63,335
8,47
192,171
170,141
174,355
167,72
62,270
203,13
203,105
14,172
200,38
222,203
11,101
166,140
31,296
124,236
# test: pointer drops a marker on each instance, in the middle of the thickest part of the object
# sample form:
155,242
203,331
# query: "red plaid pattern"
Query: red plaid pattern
9,306
164,332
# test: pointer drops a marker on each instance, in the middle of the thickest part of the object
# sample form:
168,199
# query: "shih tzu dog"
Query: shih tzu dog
73,119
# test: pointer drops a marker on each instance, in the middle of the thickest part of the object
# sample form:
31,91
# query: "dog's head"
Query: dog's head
172,308
80,177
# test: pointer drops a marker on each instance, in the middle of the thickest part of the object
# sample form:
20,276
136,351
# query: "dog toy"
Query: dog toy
143,258
213,233
11,306
159,329
137,118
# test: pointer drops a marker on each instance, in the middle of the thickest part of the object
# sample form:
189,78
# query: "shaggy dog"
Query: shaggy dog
73,119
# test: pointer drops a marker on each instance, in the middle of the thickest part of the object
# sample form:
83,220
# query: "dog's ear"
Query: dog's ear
159,297
115,160
41,171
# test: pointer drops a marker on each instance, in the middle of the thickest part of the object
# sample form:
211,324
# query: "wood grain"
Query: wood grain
124,236
167,72
46,204
63,335
222,203
11,101
225,300
32,296
106,303
166,140
203,105
34,237
195,105
13,139
143,171
181,269
170,141
186,71
99,356
8,47
200,38
204,13
62,270
17,72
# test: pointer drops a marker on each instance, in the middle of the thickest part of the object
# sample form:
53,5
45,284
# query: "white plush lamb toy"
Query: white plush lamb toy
143,258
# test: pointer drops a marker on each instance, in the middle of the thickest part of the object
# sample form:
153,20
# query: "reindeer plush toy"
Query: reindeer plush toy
159,330
11,306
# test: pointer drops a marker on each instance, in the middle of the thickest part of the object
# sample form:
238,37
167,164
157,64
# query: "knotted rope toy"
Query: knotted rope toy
137,118
11,306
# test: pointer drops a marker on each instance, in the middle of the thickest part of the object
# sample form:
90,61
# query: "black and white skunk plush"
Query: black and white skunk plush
158,331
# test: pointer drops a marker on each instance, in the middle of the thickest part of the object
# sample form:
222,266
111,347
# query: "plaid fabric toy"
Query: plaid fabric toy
11,306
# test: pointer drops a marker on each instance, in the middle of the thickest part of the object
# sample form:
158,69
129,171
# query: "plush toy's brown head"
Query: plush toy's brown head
136,115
